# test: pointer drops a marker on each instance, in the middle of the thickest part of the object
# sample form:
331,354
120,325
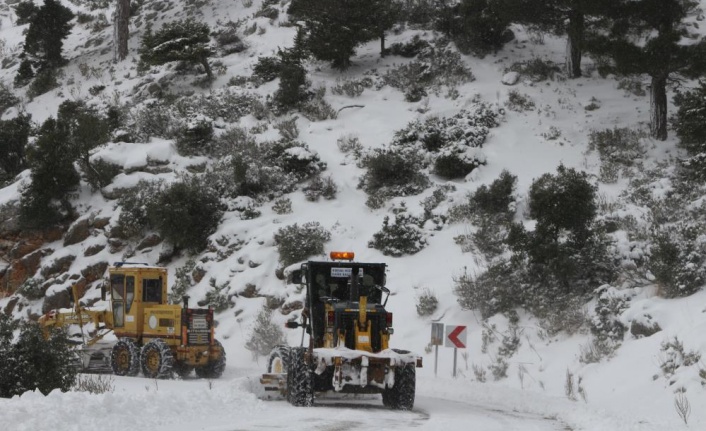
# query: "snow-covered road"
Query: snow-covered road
231,404
428,414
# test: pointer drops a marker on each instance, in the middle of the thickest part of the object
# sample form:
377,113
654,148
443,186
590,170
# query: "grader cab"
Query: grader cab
349,332
153,336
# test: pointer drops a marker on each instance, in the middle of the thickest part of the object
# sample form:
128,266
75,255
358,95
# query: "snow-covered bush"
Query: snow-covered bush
225,103
182,282
400,238
134,203
352,87
32,289
185,213
152,120
426,302
411,48
673,356
678,259
434,68
100,173
282,206
217,297
620,151
605,322
320,187
265,335
316,108
296,243
195,138
493,291
266,69
392,172
268,170
536,69
450,144
519,102
494,202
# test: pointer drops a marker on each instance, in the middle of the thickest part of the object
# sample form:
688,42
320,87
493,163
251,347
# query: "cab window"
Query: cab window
152,290
117,286
129,292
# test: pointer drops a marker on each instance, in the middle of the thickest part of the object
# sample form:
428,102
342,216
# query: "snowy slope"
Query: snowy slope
625,392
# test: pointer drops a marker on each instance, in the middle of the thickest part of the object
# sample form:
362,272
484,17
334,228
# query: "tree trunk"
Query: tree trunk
204,63
658,107
382,43
120,29
574,43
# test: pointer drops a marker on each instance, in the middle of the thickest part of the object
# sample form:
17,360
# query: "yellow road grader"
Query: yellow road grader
149,334
349,332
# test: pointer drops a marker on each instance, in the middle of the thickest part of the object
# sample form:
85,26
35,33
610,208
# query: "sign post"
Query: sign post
456,338
437,337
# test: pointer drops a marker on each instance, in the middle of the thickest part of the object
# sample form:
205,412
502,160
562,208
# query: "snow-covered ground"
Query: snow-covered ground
626,392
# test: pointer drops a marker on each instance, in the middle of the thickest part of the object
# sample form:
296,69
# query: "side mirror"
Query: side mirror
292,325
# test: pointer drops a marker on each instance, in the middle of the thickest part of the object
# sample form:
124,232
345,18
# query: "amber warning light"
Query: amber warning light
342,255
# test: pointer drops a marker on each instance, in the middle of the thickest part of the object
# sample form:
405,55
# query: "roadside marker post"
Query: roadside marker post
455,337
437,337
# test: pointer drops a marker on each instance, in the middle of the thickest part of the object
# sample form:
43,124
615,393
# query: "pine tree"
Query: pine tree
48,28
574,18
480,26
44,364
336,27
121,29
14,135
184,40
266,335
33,362
53,177
651,37
85,129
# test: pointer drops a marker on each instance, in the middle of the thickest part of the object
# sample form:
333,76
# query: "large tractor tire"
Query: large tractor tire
278,360
125,358
300,379
157,360
213,369
401,395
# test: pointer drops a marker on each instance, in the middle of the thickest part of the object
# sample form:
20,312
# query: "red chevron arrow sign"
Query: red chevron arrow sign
456,336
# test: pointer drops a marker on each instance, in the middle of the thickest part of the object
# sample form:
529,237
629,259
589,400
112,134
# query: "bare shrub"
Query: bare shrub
95,383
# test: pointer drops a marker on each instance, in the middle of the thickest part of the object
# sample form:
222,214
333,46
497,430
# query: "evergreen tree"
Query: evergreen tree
25,73
33,361
25,11
46,199
186,213
480,26
14,135
573,18
651,37
183,40
293,84
336,27
8,364
121,29
48,28
689,120
85,129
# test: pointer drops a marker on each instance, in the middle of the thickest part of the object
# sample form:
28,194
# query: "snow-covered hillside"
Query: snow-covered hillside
627,391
